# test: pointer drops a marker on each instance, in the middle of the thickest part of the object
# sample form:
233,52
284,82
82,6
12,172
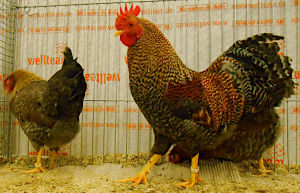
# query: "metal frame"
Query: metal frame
8,43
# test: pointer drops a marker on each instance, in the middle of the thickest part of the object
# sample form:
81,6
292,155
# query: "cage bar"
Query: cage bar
115,125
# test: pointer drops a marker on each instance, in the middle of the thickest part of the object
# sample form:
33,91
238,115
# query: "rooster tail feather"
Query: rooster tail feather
270,72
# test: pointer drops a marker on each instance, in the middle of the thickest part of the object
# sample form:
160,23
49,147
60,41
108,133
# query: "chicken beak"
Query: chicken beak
118,33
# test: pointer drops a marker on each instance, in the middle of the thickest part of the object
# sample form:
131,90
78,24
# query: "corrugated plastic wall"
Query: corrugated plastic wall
111,122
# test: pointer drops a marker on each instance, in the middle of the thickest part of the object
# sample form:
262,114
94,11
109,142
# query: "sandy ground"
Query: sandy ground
163,178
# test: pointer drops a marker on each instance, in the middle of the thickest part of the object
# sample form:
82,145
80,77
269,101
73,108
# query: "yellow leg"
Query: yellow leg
189,183
142,175
262,168
38,168
53,154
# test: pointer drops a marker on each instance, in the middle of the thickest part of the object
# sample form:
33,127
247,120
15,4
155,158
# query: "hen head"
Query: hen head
18,77
129,29
10,82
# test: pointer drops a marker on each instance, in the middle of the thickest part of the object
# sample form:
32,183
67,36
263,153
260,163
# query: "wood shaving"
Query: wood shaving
89,174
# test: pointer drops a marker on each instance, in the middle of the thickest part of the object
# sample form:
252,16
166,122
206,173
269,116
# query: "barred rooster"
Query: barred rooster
48,111
231,101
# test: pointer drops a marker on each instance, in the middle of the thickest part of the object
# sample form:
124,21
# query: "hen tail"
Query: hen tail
266,75
68,59
67,86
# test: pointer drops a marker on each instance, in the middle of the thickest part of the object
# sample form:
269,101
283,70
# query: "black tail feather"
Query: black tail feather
68,86
68,56
269,74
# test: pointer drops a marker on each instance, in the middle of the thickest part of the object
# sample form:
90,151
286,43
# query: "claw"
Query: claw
35,170
262,169
141,177
264,173
189,183
137,180
186,180
38,167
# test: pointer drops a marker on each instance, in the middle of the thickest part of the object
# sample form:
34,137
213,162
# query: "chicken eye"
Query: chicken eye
130,24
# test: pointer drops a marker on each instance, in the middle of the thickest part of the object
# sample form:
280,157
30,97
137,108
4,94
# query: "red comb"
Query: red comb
129,12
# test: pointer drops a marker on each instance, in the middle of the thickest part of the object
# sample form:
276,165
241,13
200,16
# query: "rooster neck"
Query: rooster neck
153,63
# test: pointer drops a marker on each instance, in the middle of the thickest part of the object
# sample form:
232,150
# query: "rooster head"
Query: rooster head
128,26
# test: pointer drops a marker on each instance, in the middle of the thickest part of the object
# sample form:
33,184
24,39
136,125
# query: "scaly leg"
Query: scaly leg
189,183
38,167
262,168
142,175
52,155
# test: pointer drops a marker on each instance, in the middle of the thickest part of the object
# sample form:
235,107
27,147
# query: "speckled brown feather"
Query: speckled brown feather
48,115
21,78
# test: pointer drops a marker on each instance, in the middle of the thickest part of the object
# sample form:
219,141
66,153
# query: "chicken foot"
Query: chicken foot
142,174
189,183
262,168
38,166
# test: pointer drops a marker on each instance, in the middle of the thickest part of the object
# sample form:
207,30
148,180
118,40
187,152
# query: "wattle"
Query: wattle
128,40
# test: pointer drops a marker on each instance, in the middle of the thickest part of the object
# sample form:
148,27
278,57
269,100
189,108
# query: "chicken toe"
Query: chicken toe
35,170
189,183
38,167
142,175
262,168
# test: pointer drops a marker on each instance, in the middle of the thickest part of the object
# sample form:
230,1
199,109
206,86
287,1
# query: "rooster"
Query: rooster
199,111
48,111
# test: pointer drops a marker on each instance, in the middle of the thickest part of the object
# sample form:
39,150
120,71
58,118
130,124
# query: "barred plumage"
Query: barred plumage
270,73
230,103
264,78
250,87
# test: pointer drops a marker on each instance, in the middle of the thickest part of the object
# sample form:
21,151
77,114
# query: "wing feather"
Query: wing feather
210,98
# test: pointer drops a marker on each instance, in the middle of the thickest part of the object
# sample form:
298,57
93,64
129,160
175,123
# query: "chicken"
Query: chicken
48,111
200,111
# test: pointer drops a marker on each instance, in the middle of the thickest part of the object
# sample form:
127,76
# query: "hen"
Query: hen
48,111
199,111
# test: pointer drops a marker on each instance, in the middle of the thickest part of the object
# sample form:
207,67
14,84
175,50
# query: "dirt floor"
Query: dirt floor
77,175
